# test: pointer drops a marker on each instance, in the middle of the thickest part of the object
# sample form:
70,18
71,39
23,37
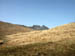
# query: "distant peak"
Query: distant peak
38,27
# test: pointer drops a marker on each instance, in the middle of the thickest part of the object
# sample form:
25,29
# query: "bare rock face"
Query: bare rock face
38,27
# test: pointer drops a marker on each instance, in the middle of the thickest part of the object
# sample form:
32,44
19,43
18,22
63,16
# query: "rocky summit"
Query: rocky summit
38,27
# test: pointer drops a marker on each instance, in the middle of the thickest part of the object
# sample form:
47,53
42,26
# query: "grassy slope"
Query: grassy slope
52,35
8,29
61,42
40,49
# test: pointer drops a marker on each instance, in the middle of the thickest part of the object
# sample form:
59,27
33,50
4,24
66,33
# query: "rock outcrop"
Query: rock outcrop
38,27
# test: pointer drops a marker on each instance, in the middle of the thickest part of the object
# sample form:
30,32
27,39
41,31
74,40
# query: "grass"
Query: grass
40,49
59,41
9,29
52,35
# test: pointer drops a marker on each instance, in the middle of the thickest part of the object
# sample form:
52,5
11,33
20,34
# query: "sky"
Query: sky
51,13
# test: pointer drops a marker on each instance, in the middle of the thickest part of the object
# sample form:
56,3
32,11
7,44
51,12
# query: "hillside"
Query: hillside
51,35
59,41
8,28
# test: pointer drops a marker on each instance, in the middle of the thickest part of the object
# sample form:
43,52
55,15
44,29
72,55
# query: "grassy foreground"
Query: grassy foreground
40,49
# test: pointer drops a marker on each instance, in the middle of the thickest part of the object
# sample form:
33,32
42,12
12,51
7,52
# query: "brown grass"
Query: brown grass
9,29
52,35
59,41
40,49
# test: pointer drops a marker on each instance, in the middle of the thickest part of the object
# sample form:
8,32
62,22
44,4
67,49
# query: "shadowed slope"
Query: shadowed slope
8,28
41,49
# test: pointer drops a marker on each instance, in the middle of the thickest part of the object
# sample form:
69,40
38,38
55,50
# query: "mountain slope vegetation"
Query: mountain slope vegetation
51,35
9,29
59,41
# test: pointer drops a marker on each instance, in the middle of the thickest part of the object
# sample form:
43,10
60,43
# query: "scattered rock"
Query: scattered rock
1,42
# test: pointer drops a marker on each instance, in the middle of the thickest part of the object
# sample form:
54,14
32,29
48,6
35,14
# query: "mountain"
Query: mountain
58,41
38,27
9,29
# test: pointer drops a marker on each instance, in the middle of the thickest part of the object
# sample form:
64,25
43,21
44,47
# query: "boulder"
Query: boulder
1,42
